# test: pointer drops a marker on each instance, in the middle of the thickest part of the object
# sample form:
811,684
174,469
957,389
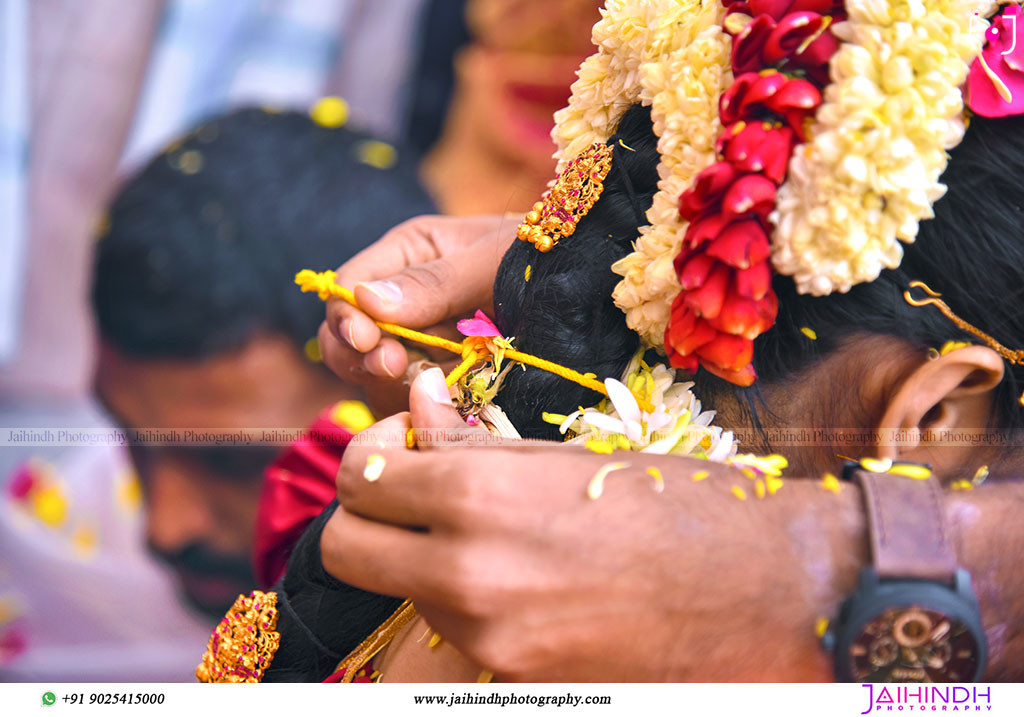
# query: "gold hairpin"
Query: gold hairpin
576,190
1014,357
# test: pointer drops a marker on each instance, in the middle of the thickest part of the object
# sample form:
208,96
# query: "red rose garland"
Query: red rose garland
780,55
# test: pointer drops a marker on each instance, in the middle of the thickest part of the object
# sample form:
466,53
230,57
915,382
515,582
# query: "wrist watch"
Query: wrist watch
914,616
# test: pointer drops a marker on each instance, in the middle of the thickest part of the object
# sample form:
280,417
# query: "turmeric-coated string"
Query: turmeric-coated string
472,350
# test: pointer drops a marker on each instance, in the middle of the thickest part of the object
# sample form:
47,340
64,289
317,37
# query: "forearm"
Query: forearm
990,544
824,536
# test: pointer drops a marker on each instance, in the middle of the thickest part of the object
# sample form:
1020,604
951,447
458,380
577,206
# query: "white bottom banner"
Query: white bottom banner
782,700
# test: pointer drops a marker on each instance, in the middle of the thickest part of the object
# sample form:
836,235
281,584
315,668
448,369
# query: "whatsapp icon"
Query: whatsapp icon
49,698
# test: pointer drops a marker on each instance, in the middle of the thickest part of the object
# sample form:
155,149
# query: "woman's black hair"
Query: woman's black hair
972,252
565,313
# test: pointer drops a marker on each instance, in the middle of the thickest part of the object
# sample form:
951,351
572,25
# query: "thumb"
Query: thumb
432,413
426,294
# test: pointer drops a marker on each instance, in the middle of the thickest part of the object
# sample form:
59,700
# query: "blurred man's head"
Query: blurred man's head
202,328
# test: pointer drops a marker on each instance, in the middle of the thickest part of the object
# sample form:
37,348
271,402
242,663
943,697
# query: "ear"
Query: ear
952,392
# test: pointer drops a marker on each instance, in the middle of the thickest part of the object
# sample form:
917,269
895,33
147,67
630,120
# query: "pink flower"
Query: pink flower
995,84
479,325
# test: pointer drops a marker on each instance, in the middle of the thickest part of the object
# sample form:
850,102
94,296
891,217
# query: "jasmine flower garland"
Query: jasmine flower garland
673,56
870,172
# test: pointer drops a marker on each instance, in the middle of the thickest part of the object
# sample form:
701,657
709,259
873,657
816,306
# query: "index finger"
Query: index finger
416,241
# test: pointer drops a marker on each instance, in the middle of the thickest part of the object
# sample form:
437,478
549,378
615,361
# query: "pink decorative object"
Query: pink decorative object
479,325
995,84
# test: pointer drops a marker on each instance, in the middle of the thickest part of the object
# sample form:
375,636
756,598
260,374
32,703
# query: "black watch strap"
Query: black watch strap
907,526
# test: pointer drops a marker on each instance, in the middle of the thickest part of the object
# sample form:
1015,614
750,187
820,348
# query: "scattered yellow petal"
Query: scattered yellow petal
484,677
659,481
830,483
312,350
410,438
876,465
700,475
554,418
739,492
596,486
102,227
773,483
626,146
84,541
529,271
129,491
933,354
9,608
809,333
821,627
190,162
376,675
980,475
909,470
435,640
330,112
374,467
735,22
759,488
962,485
953,346
598,445
353,416
50,506
376,154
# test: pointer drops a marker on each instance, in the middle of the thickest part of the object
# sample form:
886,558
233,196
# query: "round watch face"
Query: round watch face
913,644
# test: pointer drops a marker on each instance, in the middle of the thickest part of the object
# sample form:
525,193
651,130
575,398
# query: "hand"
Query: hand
506,556
421,274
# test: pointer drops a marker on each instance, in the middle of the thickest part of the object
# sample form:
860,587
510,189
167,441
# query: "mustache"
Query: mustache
199,560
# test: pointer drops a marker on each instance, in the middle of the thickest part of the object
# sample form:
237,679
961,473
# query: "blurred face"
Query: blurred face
202,493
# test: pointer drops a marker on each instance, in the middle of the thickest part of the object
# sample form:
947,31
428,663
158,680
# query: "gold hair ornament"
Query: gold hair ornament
933,299
574,193
242,646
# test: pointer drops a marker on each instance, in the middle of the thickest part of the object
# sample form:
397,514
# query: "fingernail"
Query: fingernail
346,329
386,291
433,383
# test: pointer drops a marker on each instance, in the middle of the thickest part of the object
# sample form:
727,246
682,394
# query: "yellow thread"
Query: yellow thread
473,349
